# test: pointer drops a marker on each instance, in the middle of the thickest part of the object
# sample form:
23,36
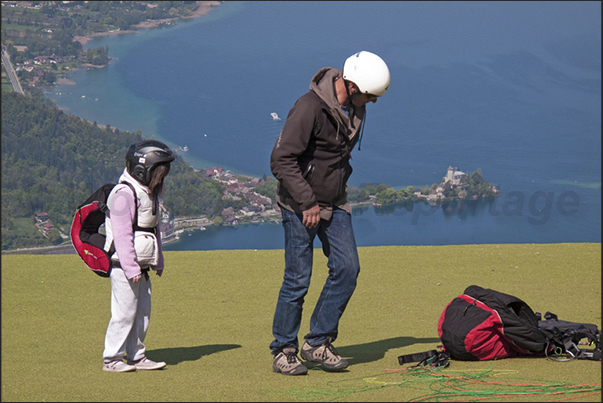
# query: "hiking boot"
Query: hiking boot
287,363
325,355
118,366
146,364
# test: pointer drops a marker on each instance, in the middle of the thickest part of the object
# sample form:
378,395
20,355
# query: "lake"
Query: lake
511,88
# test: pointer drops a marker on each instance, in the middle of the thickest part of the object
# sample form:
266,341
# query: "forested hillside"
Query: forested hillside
52,161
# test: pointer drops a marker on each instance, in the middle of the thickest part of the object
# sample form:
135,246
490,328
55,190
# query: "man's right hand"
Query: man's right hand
311,217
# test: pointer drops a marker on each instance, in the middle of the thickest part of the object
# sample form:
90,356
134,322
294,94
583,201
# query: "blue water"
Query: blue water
512,88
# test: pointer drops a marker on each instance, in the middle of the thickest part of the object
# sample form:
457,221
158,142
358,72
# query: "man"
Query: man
311,162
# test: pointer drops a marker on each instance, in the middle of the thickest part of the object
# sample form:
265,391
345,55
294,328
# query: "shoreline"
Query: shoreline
204,8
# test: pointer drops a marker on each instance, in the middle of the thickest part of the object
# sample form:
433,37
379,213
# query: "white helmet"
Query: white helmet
368,71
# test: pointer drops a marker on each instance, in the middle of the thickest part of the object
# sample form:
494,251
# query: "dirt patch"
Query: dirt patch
64,81
85,39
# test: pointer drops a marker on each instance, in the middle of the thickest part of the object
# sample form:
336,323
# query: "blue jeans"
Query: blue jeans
339,246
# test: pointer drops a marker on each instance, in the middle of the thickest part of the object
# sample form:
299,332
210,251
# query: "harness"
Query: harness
564,337
135,227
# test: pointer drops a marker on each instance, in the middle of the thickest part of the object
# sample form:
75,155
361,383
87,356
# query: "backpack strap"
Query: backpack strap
433,358
135,226
135,223
405,359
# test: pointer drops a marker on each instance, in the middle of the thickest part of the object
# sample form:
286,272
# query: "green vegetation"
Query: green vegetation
19,231
471,186
48,29
98,56
267,187
212,320
52,162
6,84
190,193
55,20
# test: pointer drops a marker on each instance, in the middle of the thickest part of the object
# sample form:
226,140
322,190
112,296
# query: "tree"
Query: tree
98,56
476,177
406,193
357,195
267,187
386,196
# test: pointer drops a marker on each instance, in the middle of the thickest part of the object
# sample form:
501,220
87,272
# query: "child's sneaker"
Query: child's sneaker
325,355
287,363
118,366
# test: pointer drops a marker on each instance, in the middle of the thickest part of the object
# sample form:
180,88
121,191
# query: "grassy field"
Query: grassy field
6,85
24,225
212,318
22,28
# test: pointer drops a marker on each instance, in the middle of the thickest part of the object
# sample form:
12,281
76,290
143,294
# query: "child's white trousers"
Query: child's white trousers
130,314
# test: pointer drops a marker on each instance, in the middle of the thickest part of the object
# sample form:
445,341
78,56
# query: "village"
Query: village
259,209
455,184
262,209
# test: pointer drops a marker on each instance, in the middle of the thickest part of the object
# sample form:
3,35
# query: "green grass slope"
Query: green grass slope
212,319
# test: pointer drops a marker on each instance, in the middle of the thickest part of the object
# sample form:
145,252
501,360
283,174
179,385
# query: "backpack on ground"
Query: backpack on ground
85,236
484,324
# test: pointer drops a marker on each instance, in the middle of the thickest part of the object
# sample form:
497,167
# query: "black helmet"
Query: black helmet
143,156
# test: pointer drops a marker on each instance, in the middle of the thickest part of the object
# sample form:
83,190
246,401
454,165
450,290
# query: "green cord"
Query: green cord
444,385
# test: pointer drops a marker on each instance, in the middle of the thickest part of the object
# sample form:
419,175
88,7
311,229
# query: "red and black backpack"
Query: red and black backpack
484,324
85,236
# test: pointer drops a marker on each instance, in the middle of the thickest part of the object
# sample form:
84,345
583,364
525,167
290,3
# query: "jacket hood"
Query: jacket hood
323,84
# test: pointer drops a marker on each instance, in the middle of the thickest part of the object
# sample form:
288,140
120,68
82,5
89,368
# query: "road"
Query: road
12,75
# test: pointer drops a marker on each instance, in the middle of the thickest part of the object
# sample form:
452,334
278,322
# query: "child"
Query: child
133,229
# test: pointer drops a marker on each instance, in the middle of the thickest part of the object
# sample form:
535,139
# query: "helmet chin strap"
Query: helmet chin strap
347,90
352,106
351,116
155,202
362,130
